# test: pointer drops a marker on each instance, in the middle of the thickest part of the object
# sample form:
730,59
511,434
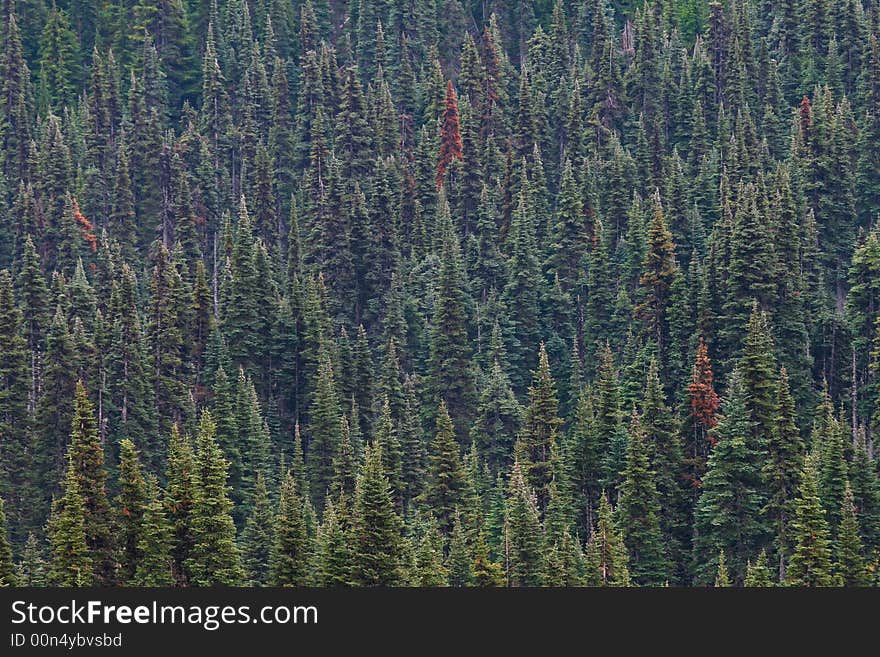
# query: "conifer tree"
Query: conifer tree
179,502
828,442
810,563
257,539
54,409
324,428
449,367
430,570
32,567
570,236
86,455
450,138
540,433
523,534
291,549
131,507
460,562
215,559
659,270
499,416
70,562
332,549
782,470
704,403
722,577
375,535
445,483
606,556
728,514
759,370
155,567
758,573
667,459
849,564
8,575
15,461
639,512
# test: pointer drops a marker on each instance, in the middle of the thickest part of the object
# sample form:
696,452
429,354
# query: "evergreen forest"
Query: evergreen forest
440,293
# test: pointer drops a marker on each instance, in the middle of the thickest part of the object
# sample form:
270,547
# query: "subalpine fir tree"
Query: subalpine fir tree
86,455
375,536
345,463
254,444
570,237
565,563
499,416
866,493
215,559
430,571
122,223
449,367
849,563
607,561
609,421
129,408
486,572
32,567
810,563
722,576
8,574
385,432
34,301
639,512
828,442
54,408
156,564
750,272
70,561
445,483
258,536
332,549
323,429
523,534
179,502
130,507
412,444
757,364
728,514
353,132
539,437
758,573
666,455
16,480
460,561
655,283
522,292
166,321
782,470
289,563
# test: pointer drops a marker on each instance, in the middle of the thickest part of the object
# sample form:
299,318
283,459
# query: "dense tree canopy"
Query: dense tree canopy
426,293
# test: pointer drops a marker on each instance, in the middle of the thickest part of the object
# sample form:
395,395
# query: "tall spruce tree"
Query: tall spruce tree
215,559
810,563
728,515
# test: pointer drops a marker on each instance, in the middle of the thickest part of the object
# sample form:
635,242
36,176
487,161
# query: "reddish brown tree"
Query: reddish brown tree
806,120
450,137
704,399
704,406
86,227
